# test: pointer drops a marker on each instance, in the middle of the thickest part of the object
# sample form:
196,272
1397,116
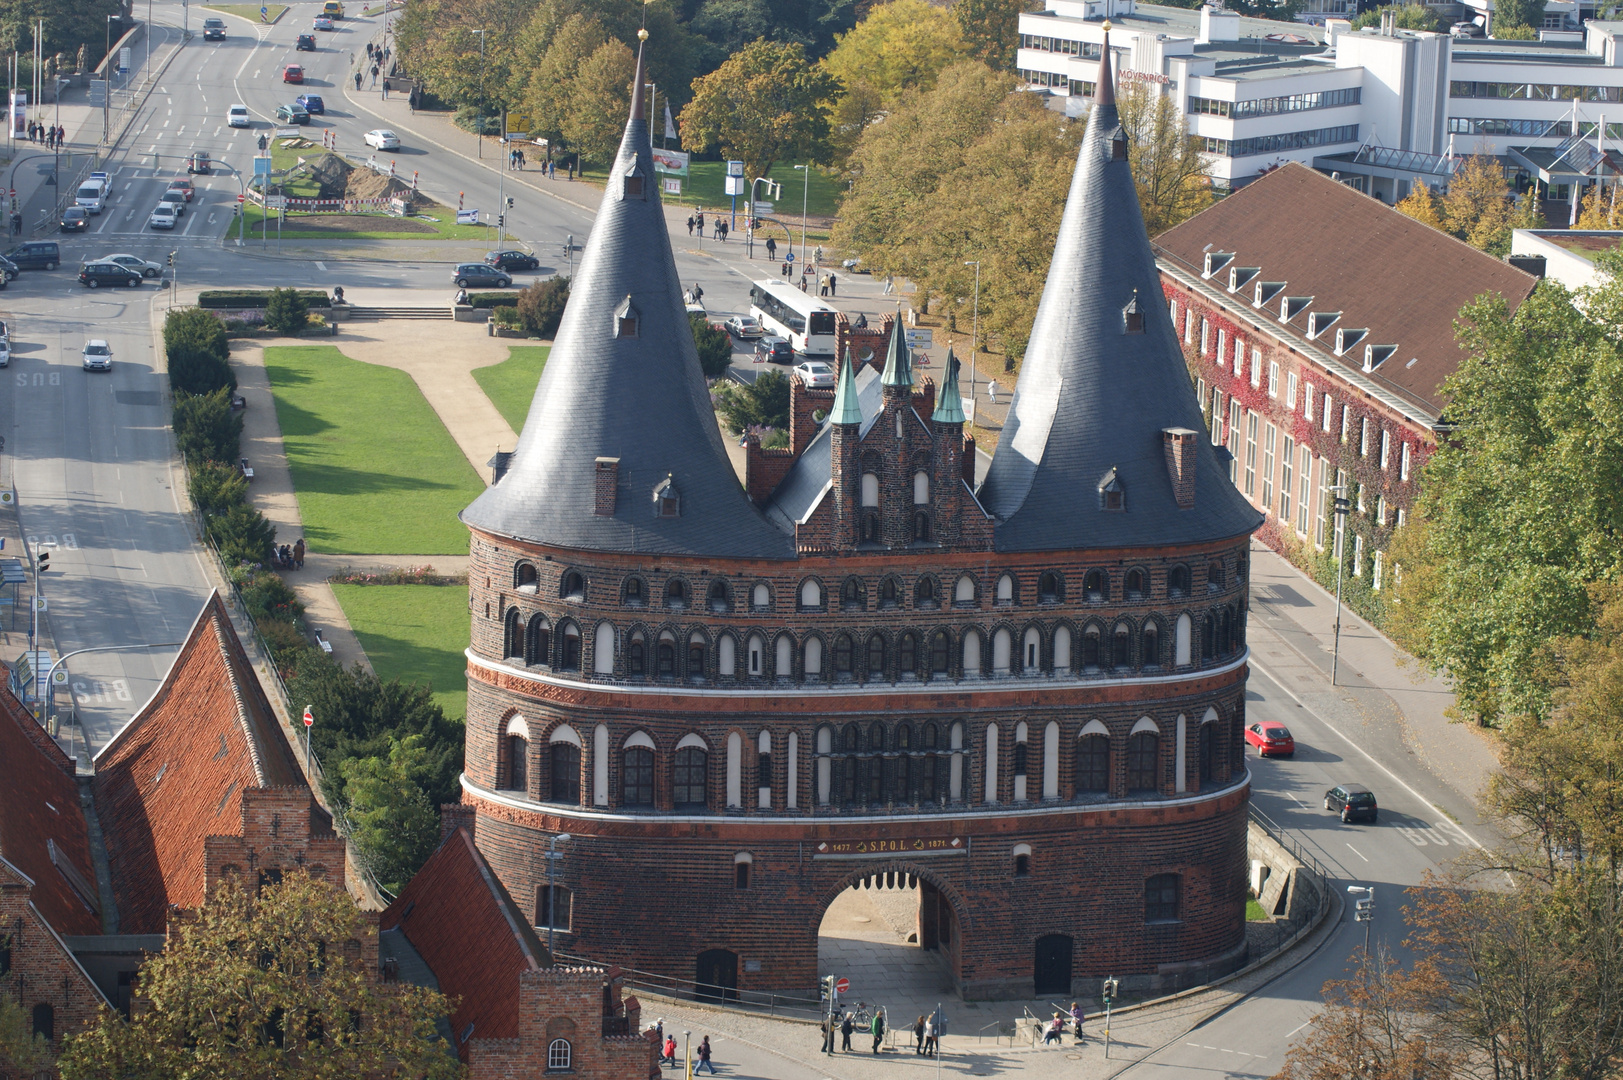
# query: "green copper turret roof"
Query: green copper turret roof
846,408
949,405
898,360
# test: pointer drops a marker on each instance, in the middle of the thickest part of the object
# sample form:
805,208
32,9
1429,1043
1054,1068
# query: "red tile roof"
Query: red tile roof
1383,270
176,772
40,818
467,929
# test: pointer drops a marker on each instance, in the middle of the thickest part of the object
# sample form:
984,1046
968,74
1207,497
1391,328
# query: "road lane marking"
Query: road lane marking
1297,1028
322,267
1355,851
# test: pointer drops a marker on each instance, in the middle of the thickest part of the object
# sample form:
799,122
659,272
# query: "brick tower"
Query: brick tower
740,700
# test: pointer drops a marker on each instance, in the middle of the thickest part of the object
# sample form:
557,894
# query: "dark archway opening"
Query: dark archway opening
1051,972
717,975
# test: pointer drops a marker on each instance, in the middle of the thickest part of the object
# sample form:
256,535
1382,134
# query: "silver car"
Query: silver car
163,217
815,374
744,327
141,266
98,355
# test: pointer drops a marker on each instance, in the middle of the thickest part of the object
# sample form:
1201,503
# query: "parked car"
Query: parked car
5,354
1271,739
470,275
322,22
163,216
1466,30
75,219
183,185
512,261
144,267
775,350
98,355
312,104
382,139
1351,801
175,199
293,73
8,272
95,275
36,255
292,114
744,327
305,43
213,29
237,116
815,374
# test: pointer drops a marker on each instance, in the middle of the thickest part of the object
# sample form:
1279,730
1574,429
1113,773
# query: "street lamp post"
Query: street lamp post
975,332
481,34
552,892
1364,911
107,82
1342,505
804,197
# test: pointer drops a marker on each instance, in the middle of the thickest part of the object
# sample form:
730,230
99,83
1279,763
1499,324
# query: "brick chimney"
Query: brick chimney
608,484
1180,450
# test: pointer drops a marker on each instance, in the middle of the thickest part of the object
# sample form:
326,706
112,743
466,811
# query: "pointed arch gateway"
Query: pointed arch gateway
943,916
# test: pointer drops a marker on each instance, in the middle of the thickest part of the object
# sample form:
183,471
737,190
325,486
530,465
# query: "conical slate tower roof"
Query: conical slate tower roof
1092,397
623,382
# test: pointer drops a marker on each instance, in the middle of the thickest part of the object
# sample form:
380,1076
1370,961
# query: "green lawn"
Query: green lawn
374,469
510,385
706,186
300,226
415,633
250,11
1253,910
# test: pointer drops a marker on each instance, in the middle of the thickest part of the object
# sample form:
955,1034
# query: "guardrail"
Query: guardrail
1284,840
692,990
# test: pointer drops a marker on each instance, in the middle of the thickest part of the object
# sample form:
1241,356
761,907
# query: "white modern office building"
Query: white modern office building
1380,107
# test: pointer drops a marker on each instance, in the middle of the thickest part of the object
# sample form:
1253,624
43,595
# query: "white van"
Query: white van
237,116
90,195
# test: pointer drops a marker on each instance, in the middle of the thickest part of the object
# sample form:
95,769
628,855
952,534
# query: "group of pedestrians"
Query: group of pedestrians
667,1050
52,137
1054,1030
515,159
719,228
847,1024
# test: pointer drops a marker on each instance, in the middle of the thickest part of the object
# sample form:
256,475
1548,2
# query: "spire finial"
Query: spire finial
1106,92
638,110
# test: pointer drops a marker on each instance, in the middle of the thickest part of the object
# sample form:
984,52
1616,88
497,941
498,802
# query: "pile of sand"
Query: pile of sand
367,184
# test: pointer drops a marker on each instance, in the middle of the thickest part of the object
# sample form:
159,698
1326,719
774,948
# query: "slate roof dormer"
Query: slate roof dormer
1091,398
623,381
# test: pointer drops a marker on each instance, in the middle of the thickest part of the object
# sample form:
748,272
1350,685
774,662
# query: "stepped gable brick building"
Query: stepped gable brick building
1026,699
1321,362
455,928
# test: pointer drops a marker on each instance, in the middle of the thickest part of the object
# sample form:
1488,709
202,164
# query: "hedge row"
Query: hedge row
490,299
237,299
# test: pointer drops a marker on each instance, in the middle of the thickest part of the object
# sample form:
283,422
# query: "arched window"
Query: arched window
842,655
870,489
571,657
921,488
1208,637
1180,639
1208,733
870,527
518,759
811,596
1143,762
921,527
559,1056
852,738
603,650
1093,763
876,736
721,598
1135,584
1022,860
1225,632
1120,646
761,597
1062,649
783,649
924,593
940,653
697,655
1020,758
1091,649
741,870
876,656
907,654
1031,651
1049,588
1002,647
676,593
972,653
1150,654
565,770
692,767
1178,581
757,661
1161,898
876,772
513,634
812,656
890,593
44,1021
1214,577
665,656
1094,586
636,594
963,591
637,776
637,656
572,586
727,656
538,641
853,597
1005,589
524,577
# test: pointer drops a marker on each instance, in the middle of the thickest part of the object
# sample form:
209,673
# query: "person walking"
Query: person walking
690,224
822,284
771,249
704,1057
298,554
931,1039
374,74
358,77
725,229
918,1036
828,1035
1076,1022
846,1027
521,160
831,284
878,1029
890,284
699,220
16,224
991,390
668,1057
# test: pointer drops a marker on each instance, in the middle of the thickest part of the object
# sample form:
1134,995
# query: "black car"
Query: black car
775,350
1351,801
468,275
95,275
75,219
306,43
312,104
213,29
36,255
292,114
512,260
8,270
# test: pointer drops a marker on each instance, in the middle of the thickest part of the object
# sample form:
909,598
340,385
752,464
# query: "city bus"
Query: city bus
804,320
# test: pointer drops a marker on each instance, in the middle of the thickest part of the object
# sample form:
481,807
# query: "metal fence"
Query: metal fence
690,990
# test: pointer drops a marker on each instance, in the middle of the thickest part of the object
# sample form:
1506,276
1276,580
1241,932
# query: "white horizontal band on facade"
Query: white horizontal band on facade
754,821
1014,684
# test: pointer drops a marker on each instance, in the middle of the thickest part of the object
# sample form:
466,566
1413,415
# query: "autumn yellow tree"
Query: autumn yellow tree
1423,205
901,45
1478,207
1173,176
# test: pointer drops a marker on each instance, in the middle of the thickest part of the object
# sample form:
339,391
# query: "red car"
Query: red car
293,73
1271,739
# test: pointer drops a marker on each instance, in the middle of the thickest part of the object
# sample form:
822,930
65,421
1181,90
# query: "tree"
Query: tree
715,347
1409,17
242,534
1423,205
206,428
765,102
268,983
1477,208
901,45
391,820
1380,1022
197,349
549,93
599,102
20,1047
541,306
216,487
286,311
1599,209
1173,176
438,42
990,30
1517,13
764,403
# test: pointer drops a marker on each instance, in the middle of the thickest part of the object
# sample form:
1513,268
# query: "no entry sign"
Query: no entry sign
842,986
309,717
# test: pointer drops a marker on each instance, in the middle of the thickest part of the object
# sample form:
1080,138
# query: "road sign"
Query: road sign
276,202
123,60
467,217
309,717
60,676
762,208
262,166
920,338
842,986
242,198
39,603
288,133
673,186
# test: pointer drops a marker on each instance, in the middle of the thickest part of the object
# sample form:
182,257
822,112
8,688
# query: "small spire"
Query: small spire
846,410
949,406
1105,93
898,359
638,110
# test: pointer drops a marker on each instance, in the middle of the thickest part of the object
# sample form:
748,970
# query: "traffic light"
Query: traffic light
1111,988
501,220
43,562
172,258
510,202
827,987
